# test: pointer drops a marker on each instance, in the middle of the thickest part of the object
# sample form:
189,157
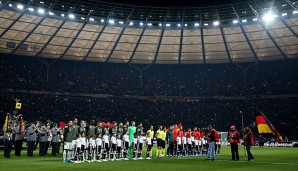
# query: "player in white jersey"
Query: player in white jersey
140,145
189,145
106,146
77,146
119,147
113,147
184,144
179,145
126,145
98,143
83,146
149,146
196,146
135,146
91,151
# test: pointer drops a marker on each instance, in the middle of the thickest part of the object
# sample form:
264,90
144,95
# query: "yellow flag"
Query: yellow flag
6,124
18,105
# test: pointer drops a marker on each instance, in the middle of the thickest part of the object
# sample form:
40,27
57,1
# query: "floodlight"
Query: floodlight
244,21
40,11
20,6
197,24
71,16
91,19
235,21
168,25
31,9
131,23
111,21
216,23
269,17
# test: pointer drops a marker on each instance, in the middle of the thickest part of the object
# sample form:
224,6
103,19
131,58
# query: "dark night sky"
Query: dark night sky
176,3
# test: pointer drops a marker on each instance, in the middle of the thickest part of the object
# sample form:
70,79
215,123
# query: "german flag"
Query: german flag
265,126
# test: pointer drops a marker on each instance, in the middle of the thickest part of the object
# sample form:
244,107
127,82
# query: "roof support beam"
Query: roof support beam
181,37
161,36
141,36
36,26
98,36
121,33
245,35
226,45
203,44
16,20
268,33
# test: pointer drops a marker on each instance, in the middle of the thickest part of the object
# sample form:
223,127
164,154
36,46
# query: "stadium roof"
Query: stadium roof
101,31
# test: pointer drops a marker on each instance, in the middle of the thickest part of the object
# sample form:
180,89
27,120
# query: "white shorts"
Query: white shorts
68,146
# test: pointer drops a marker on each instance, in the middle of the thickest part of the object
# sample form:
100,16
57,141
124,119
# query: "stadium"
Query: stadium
201,69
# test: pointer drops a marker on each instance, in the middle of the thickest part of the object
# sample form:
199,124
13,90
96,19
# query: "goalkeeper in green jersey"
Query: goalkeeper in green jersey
132,131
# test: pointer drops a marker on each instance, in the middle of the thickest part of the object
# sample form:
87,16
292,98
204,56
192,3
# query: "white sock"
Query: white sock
64,154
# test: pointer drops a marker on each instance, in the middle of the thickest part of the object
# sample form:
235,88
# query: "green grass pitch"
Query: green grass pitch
269,158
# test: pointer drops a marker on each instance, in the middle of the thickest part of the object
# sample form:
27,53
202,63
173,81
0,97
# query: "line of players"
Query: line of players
105,142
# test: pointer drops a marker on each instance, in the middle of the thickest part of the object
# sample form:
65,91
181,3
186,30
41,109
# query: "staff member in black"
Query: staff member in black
31,139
